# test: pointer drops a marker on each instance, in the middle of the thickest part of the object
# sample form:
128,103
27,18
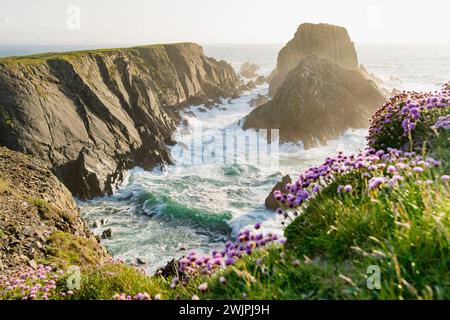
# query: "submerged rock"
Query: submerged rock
92,115
318,101
323,40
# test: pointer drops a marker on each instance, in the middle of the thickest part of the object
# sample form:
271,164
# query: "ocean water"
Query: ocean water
164,214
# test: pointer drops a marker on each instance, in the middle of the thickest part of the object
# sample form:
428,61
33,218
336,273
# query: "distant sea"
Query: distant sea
415,67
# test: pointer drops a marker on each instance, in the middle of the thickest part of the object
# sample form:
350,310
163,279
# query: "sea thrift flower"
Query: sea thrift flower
222,280
229,261
203,287
348,188
417,169
376,182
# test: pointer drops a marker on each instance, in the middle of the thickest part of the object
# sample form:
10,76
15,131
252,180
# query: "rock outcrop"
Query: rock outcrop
318,101
323,40
36,213
272,203
92,115
248,70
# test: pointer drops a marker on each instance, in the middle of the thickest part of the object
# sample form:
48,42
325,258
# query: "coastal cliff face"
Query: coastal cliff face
323,40
318,101
92,115
38,216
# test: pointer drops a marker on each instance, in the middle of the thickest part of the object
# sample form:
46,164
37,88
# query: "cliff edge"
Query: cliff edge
92,115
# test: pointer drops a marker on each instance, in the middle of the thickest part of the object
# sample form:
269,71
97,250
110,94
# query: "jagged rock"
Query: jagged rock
99,223
90,116
250,85
248,70
259,100
33,264
107,234
270,202
171,269
323,40
318,101
260,80
36,207
140,261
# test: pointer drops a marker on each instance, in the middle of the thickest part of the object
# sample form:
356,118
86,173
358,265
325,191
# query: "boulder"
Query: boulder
260,99
323,40
248,70
171,269
260,80
270,202
318,101
250,85
107,234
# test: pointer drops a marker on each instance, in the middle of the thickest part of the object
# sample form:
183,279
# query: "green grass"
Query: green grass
43,57
65,249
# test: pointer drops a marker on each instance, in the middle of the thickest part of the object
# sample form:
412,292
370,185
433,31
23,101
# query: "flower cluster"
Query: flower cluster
395,121
379,168
139,296
30,284
442,123
245,244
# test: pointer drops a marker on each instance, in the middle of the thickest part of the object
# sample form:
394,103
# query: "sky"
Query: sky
133,22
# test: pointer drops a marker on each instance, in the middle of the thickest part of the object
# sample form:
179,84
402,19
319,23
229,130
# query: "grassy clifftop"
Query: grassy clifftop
42,57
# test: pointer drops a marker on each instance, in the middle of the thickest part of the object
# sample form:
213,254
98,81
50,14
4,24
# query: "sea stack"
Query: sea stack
318,90
322,40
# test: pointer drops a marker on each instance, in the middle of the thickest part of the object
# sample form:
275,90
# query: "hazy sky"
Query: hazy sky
217,21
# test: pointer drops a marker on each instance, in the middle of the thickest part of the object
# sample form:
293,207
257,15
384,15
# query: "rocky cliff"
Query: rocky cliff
323,40
92,115
318,101
38,217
